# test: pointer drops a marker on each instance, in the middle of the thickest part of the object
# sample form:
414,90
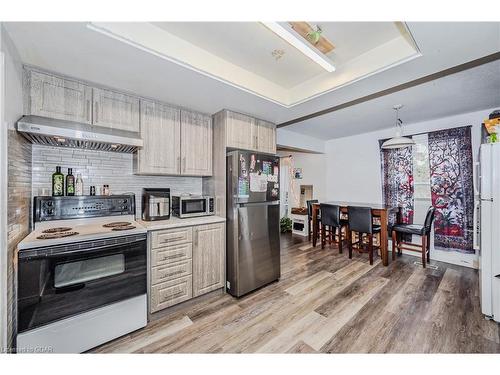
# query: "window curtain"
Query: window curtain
441,161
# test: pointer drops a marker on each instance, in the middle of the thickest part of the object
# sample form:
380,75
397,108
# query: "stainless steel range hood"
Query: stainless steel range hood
53,132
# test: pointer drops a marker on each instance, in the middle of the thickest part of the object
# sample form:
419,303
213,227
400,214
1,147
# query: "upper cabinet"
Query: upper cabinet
247,133
161,133
176,142
58,98
266,137
241,131
196,144
116,110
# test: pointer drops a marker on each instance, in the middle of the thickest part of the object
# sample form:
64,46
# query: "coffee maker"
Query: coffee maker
155,204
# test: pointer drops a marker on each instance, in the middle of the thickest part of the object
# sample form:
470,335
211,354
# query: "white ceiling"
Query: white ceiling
470,90
75,50
249,45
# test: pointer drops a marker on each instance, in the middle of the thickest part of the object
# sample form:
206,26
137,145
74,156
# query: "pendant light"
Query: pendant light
398,141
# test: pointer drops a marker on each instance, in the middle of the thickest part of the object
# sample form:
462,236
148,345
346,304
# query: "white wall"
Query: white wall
294,140
353,168
313,172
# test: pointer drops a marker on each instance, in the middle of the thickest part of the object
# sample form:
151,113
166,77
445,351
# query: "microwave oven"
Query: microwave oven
185,206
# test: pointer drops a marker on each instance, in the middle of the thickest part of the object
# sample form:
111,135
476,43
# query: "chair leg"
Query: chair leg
428,239
350,243
309,229
424,246
323,238
370,247
394,236
340,240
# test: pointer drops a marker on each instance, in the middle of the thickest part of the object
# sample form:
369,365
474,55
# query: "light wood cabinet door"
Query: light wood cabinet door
171,293
196,144
115,110
59,98
208,258
241,131
266,137
161,134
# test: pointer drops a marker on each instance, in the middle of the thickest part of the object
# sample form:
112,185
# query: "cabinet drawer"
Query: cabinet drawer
171,271
171,237
171,254
170,293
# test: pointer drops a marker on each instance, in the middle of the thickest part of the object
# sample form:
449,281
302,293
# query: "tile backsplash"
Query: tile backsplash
98,168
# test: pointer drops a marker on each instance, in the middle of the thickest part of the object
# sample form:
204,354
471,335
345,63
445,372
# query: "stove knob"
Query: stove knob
50,211
49,204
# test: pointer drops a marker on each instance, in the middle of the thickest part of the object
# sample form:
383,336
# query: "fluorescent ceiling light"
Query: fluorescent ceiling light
291,38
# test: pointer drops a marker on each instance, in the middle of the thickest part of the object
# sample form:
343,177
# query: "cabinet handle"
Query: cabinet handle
195,235
173,273
96,106
87,109
177,294
174,256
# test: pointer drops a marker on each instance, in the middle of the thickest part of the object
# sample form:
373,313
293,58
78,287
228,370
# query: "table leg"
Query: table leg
383,238
315,224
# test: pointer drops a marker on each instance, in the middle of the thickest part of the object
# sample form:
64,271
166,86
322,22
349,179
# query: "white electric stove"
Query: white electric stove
82,274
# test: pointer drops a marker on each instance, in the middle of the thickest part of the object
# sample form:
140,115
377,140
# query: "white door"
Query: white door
495,231
284,188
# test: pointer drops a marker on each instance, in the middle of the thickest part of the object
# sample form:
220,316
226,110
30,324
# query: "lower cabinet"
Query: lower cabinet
208,258
185,263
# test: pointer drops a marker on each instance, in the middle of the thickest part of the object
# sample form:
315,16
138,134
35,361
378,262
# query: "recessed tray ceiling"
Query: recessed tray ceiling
251,57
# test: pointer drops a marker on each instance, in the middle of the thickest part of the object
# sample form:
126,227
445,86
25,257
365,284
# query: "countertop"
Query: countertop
175,222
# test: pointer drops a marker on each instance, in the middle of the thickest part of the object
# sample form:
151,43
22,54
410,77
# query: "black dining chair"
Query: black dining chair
331,221
309,218
361,221
424,231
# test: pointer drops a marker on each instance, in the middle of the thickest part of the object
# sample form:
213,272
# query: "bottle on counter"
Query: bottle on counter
105,190
57,183
70,183
79,185
92,190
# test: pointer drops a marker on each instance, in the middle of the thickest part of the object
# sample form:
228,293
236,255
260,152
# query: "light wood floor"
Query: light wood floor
327,303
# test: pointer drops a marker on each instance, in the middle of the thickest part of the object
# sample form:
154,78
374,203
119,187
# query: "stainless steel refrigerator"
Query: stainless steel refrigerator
253,221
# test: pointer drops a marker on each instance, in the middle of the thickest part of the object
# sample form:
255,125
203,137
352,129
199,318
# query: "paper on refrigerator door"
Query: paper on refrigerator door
258,183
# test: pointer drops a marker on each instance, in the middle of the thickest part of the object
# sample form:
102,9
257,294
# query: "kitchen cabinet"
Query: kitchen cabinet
208,258
185,262
196,144
247,133
58,98
161,134
241,131
115,110
266,137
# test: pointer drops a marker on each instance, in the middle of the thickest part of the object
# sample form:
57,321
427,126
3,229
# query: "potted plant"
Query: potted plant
286,224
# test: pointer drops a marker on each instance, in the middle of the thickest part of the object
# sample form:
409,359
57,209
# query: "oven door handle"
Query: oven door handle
69,288
54,251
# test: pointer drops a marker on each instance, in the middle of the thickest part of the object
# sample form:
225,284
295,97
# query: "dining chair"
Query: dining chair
309,218
330,222
361,221
424,231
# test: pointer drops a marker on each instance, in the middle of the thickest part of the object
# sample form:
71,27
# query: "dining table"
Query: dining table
379,210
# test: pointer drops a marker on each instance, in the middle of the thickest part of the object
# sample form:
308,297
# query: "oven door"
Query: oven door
61,281
193,207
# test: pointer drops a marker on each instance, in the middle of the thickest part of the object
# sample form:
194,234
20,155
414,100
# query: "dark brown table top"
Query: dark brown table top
374,206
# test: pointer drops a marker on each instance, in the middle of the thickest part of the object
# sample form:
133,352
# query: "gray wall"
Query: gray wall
99,168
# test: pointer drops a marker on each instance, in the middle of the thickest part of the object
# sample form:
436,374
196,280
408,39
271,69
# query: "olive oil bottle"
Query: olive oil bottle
70,183
57,183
